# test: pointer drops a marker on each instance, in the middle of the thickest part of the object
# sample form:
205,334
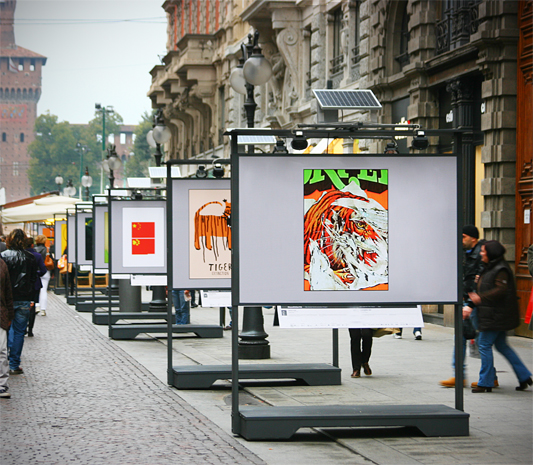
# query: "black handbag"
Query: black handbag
469,331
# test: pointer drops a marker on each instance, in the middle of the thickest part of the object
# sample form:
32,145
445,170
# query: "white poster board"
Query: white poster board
201,235
422,243
100,232
84,235
138,237
356,317
216,298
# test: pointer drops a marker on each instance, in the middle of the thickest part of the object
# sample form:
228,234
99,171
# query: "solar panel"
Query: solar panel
339,99
256,140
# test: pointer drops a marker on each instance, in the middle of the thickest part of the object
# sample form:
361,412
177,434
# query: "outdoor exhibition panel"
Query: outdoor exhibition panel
345,230
201,228
60,240
313,197
101,242
137,237
84,235
200,242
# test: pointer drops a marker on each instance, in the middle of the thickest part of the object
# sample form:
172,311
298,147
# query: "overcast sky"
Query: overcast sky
98,52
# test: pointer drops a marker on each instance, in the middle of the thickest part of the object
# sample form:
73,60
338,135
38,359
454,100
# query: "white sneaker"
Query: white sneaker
397,336
43,312
4,392
418,335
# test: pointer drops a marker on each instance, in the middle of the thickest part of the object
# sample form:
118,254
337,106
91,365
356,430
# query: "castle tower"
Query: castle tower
20,89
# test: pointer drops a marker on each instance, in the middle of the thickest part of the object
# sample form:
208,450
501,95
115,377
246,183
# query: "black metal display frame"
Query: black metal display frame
82,304
131,330
203,376
281,422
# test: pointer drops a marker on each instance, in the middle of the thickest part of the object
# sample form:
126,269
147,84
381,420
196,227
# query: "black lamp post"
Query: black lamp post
159,135
111,164
69,190
253,70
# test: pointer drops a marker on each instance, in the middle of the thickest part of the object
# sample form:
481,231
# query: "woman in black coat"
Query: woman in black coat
497,307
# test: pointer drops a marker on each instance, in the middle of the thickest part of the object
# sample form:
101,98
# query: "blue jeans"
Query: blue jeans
487,373
181,306
15,338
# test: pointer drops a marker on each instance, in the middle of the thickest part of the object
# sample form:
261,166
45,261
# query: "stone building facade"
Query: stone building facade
20,90
445,64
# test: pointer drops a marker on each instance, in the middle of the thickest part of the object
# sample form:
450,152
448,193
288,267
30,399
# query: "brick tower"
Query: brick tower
20,89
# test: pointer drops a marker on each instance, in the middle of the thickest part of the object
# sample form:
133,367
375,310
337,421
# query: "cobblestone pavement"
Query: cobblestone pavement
83,400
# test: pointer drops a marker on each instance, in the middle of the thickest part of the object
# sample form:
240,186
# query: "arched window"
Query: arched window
22,137
4,137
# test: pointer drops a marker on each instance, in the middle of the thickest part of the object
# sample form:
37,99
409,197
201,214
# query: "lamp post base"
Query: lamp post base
253,344
159,301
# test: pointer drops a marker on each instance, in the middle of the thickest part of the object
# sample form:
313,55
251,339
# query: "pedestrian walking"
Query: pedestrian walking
361,349
22,268
472,267
181,305
497,305
40,246
41,271
7,313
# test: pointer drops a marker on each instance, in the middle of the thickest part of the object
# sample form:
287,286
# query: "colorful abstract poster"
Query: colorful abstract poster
346,230
209,233
143,237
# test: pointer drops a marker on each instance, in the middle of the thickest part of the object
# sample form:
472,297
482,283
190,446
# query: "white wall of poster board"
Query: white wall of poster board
423,242
201,268
99,233
81,218
124,259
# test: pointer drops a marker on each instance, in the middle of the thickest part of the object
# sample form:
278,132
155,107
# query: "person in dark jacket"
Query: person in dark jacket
41,271
40,246
472,267
22,268
7,314
497,306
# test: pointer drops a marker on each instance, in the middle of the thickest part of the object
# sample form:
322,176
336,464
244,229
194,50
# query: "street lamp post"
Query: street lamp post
87,182
111,164
104,110
59,181
253,70
69,190
160,134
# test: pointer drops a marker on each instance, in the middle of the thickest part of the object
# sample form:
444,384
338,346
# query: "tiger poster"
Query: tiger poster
346,230
209,233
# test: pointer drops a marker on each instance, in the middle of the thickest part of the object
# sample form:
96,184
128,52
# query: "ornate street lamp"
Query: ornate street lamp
87,182
69,190
111,164
105,111
59,182
253,70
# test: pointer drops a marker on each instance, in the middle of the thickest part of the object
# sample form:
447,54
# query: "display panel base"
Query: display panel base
102,318
131,331
279,423
203,376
